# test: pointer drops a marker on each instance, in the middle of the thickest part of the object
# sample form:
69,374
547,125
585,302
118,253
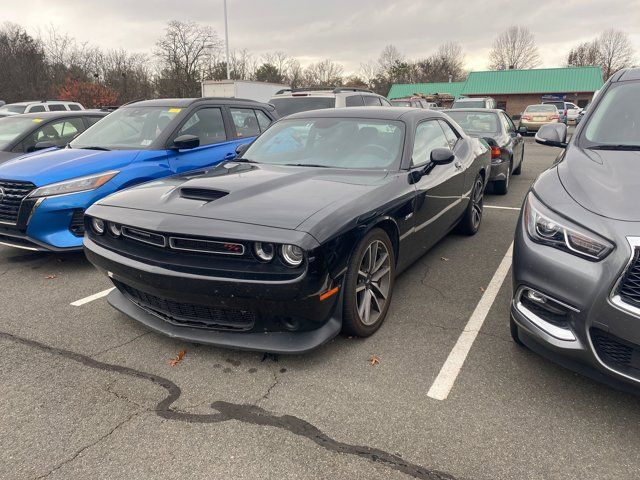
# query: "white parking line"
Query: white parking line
498,207
91,298
451,368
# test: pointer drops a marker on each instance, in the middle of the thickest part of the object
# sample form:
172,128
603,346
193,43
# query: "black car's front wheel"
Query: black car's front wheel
470,222
368,284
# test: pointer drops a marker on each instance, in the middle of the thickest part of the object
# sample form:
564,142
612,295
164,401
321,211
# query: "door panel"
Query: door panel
438,194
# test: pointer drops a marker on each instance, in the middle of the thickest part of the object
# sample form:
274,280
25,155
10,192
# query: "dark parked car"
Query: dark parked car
298,239
576,258
505,140
20,134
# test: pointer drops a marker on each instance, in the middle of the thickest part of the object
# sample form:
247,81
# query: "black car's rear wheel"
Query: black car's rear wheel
368,284
470,222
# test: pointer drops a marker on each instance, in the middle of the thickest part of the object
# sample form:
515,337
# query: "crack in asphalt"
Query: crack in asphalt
249,414
131,340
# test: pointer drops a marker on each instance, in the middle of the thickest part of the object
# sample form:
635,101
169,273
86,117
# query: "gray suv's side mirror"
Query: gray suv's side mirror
553,135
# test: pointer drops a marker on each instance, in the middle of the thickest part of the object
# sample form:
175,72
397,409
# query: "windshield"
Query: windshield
616,119
13,108
401,103
127,128
468,104
13,127
330,142
476,122
541,108
287,106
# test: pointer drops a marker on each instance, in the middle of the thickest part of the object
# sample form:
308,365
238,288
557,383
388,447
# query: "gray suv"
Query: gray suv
294,100
475,102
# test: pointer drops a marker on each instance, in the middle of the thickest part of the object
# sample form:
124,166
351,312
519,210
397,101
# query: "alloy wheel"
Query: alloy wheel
477,203
373,282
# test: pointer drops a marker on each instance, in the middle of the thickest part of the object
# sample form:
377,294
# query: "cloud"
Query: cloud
347,32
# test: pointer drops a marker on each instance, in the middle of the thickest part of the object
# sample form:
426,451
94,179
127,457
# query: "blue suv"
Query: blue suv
43,196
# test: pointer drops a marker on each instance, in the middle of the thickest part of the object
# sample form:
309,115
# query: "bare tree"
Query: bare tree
515,48
584,54
447,63
294,75
323,73
184,55
616,51
389,57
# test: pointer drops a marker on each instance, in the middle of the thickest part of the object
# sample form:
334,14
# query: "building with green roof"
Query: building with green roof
513,90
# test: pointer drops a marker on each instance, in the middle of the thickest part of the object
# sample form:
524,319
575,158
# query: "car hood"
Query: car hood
52,166
275,196
606,182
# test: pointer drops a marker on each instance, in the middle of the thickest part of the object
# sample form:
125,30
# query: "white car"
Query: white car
572,111
39,106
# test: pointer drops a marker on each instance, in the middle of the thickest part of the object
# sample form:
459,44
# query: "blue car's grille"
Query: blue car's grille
12,192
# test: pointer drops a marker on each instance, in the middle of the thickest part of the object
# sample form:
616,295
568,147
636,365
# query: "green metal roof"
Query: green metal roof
402,90
540,80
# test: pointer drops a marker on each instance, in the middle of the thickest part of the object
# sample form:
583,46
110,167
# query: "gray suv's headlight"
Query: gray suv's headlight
548,228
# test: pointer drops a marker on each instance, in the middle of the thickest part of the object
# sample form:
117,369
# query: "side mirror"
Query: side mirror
522,129
553,135
43,145
442,156
240,149
185,142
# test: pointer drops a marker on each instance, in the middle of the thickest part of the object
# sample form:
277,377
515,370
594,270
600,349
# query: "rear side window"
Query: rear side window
57,107
245,121
74,107
37,108
263,120
207,125
92,120
385,102
371,101
354,101
288,105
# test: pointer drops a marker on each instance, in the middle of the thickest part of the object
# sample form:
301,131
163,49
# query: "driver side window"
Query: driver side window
207,125
429,135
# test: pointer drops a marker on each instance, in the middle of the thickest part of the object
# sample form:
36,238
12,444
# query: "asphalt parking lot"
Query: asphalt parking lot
87,393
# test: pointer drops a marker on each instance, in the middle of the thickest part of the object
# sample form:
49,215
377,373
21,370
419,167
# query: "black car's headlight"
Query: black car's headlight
292,255
549,228
98,225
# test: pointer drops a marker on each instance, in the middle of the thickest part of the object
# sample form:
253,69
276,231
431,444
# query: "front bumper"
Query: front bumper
584,287
276,316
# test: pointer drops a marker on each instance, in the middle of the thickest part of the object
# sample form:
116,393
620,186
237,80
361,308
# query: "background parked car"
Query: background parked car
415,102
582,113
288,101
534,116
40,106
302,240
505,141
20,134
475,102
563,109
139,142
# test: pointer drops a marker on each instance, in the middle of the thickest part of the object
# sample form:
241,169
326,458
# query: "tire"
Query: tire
501,187
472,218
518,170
368,287
515,335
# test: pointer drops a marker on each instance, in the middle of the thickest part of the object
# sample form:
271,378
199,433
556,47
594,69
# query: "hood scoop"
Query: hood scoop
202,194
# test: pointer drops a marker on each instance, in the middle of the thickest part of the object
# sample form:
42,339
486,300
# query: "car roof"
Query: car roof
31,102
375,113
626,74
60,114
187,102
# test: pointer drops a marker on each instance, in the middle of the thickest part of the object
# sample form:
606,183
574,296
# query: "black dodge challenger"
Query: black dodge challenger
298,238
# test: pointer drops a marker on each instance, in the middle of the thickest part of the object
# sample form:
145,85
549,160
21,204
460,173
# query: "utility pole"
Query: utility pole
226,38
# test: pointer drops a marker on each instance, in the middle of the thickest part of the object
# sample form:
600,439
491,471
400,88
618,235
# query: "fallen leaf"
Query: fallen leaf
444,259
50,277
482,289
178,358
374,360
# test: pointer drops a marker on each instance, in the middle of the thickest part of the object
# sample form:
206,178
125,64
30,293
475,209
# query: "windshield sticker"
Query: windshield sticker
37,120
146,143
175,110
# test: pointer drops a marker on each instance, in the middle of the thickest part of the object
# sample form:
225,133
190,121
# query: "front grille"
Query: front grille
629,289
617,353
77,223
190,314
144,236
206,246
11,196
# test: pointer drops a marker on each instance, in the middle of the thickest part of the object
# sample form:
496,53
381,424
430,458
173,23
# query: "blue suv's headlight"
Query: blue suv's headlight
76,185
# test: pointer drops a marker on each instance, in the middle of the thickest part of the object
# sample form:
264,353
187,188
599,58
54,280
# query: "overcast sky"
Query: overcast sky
349,32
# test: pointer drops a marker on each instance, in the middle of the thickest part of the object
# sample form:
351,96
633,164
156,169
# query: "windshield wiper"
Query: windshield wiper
96,148
606,146
245,160
305,165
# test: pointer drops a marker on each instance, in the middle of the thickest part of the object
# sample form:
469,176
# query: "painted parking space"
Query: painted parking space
80,379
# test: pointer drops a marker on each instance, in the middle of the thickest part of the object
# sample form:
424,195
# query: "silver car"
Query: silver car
576,257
